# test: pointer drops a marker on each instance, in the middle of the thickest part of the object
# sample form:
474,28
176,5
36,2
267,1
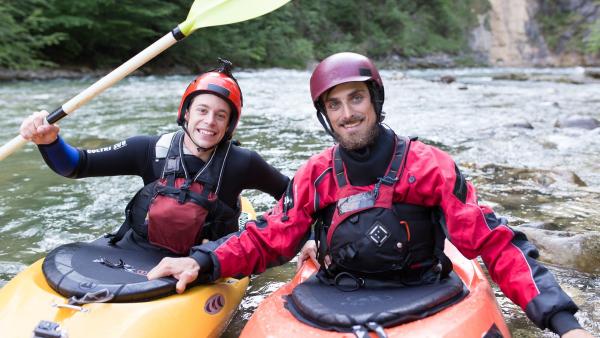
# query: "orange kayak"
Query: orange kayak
475,315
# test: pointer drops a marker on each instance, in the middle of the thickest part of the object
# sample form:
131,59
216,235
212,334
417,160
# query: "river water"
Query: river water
544,179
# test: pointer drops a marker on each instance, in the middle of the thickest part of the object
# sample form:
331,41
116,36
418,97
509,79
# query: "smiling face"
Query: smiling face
207,121
351,114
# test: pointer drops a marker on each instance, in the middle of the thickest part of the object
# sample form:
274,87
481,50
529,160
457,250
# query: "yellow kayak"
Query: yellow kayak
29,307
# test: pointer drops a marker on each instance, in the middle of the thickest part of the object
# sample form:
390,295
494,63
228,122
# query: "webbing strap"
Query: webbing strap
100,296
360,331
338,166
400,152
438,251
184,193
173,157
373,326
398,157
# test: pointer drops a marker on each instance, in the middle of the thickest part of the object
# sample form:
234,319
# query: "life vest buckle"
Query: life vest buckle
183,192
388,180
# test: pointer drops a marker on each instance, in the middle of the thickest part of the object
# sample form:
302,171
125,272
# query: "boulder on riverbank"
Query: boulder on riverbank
577,121
543,177
578,251
593,73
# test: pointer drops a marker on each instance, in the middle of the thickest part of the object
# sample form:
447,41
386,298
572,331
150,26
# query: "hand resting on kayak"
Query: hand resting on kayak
309,251
184,269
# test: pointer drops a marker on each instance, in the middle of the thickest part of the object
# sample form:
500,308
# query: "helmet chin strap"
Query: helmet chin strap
323,119
325,124
198,148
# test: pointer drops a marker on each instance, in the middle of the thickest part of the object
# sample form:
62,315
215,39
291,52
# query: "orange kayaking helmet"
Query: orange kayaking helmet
219,82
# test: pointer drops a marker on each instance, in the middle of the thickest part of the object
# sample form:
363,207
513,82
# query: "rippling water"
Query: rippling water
544,179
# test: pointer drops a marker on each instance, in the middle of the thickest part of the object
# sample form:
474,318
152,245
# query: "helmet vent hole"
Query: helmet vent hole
364,72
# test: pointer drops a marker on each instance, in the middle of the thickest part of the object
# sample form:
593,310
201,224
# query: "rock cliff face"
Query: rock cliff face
509,35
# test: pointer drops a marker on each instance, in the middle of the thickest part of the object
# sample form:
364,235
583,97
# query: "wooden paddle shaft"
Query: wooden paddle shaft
101,85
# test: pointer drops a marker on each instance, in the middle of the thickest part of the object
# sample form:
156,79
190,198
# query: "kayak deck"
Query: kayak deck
202,311
474,316
28,299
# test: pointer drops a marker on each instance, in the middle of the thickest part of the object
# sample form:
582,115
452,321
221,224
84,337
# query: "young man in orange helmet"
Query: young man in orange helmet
192,178
382,206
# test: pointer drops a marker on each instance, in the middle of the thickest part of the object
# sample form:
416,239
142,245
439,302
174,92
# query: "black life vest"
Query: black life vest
181,208
369,236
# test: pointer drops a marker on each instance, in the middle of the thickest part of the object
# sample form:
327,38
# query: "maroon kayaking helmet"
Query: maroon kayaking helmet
341,68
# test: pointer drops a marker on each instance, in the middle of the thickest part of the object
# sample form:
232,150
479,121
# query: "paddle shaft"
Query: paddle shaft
101,85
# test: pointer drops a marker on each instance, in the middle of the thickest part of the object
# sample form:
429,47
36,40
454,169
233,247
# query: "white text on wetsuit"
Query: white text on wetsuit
114,147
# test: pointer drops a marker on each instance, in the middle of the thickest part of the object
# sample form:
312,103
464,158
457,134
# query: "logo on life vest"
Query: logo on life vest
214,304
378,233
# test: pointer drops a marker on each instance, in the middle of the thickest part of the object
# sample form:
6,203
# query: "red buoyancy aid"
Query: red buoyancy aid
172,211
366,234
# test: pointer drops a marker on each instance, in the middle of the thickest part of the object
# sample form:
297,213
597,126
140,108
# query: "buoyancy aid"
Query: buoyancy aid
180,208
367,235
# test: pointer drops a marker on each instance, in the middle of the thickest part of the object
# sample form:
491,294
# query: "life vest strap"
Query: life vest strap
390,177
338,166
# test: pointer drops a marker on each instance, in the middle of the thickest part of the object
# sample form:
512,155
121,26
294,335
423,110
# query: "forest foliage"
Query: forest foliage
104,33
566,29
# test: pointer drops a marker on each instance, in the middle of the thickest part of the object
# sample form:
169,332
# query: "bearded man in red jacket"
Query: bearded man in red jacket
383,205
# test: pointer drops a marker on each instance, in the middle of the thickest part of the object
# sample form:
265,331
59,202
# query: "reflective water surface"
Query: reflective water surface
501,132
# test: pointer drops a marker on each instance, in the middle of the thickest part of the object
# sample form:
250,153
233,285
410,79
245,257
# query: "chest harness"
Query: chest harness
369,237
179,209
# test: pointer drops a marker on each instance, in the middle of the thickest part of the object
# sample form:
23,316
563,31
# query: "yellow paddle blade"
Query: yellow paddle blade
207,13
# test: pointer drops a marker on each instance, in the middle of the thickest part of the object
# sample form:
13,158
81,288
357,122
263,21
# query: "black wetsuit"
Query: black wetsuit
244,169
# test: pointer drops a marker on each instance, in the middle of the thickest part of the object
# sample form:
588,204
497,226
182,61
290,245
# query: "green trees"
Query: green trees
592,42
304,30
23,34
571,25
103,33
85,32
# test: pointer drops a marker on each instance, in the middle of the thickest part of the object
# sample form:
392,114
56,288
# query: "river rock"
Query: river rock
396,75
543,177
578,251
439,60
593,73
511,77
519,124
447,79
543,225
577,121
51,73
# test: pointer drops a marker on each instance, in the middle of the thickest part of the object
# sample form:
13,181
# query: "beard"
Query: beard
358,140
